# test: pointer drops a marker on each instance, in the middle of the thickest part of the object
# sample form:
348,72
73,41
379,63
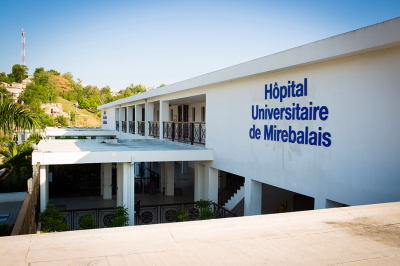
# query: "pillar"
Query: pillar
44,187
120,176
169,178
211,184
319,203
101,179
138,116
107,181
149,116
252,197
128,189
119,122
162,175
199,181
164,116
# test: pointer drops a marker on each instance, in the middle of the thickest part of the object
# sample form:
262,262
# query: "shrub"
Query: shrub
5,229
87,221
52,220
205,210
181,216
121,217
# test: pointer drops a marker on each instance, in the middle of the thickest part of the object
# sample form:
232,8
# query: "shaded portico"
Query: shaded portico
124,153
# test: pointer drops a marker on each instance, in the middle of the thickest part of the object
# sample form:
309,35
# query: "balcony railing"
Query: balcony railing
117,125
154,129
140,127
124,126
193,132
132,127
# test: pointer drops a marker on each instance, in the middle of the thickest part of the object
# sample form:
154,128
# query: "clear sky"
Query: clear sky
117,43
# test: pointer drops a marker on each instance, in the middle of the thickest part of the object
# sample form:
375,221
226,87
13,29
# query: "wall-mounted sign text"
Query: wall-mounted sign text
293,112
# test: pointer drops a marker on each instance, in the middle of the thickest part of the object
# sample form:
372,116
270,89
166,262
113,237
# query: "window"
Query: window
193,114
158,115
171,118
203,114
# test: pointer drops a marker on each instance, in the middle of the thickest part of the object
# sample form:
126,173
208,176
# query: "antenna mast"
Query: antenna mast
23,48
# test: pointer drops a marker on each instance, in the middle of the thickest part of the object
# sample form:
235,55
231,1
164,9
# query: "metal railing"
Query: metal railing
154,129
193,132
28,216
140,127
117,125
167,213
132,127
124,126
102,216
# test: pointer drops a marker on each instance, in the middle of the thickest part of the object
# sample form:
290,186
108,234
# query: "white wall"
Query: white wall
362,164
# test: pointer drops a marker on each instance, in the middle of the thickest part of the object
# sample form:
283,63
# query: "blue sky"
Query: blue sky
117,43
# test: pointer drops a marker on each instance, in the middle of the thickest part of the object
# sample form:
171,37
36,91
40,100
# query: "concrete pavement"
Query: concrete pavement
361,235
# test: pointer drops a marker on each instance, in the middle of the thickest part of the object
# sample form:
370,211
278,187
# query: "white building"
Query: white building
317,125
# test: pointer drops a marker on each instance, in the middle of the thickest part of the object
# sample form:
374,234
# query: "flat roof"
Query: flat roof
361,235
55,152
79,131
379,36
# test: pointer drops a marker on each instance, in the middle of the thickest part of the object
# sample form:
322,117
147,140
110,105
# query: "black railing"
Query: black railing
230,189
102,217
140,127
146,214
167,213
154,129
193,132
124,126
132,127
117,125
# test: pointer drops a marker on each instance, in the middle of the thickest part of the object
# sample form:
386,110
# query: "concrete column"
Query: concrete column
107,183
162,176
44,187
101,179
119,121
211,184
130,199
164,116
120,176
138,116
169,178
149,109
319,203
253,197
199,181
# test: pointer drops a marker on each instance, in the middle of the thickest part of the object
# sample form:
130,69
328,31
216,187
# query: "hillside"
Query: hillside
85,118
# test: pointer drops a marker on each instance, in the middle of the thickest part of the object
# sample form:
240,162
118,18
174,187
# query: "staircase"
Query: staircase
235,199
234,185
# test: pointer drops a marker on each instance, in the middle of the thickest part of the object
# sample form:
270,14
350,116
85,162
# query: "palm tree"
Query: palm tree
16,159
13,116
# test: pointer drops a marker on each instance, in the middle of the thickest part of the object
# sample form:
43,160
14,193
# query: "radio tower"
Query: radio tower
23,48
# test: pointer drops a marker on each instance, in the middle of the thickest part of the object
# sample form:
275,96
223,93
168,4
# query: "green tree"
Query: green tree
162,85
15,159
15,116
84,103
87,221
19,72
61,121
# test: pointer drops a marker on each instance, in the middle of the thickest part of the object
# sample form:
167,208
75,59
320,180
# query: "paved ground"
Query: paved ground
362,235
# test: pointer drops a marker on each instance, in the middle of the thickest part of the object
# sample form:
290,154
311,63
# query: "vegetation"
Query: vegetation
205,209
16,160
121,217
181,216
52,220
14,116
6,229
87,221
